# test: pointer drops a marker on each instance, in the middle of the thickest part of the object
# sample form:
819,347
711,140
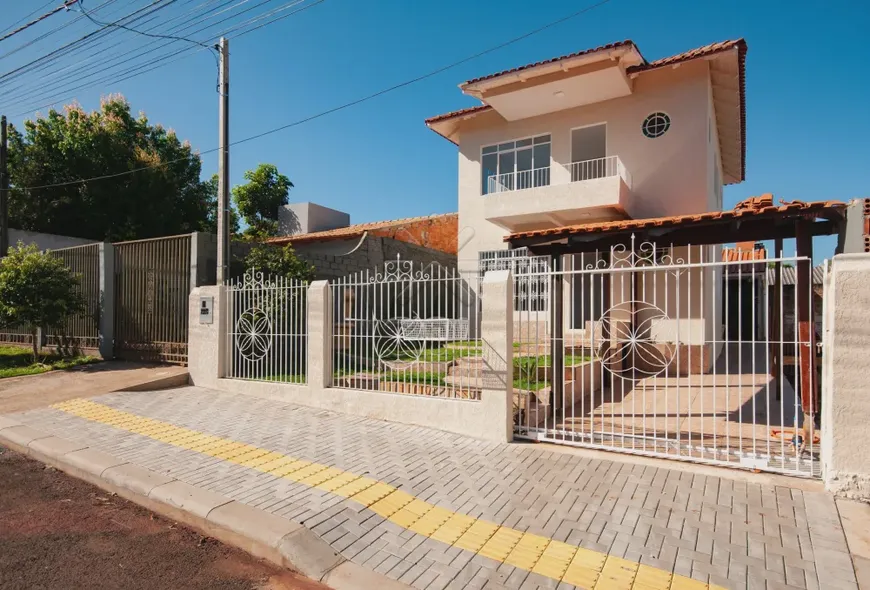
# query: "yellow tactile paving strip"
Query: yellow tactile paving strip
547,557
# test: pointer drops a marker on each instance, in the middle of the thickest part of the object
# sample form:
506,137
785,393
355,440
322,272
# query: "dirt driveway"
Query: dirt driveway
19,394
59,532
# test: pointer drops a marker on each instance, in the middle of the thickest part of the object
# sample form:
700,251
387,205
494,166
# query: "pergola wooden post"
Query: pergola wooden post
775,318
558,330
806,327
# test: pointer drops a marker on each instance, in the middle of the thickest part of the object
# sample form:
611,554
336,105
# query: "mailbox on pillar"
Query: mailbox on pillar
206,310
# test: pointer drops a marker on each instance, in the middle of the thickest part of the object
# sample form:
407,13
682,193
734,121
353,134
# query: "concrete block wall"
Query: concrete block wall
333,260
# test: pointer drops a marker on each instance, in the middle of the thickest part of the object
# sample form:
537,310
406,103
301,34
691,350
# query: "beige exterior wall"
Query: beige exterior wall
669,174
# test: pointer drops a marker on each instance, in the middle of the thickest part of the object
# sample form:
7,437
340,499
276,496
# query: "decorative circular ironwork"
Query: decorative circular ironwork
628,350
253,334
392,343
655,125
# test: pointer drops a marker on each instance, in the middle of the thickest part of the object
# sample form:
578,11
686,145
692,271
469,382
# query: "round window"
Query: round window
656,124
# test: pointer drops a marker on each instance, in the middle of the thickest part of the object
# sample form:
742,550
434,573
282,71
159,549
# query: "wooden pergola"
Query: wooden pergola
754,219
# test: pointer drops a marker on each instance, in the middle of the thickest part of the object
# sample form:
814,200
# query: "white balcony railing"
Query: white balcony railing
514,181
578,172
599,168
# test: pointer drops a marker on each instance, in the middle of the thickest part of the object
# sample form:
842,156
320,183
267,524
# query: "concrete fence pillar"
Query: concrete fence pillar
319,372
107,301
497,331
207,340
845,399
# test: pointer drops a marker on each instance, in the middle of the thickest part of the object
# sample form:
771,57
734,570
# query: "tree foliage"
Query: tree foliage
278,261
260,197
63,148
37,290
211,222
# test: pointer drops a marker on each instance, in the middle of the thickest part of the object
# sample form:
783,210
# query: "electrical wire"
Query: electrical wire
138,32
213,51
58,77
55,94
39,19
155,5
51,32
343,106
29,15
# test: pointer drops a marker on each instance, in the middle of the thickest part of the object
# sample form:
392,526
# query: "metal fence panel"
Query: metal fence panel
83,329
152,284
408,328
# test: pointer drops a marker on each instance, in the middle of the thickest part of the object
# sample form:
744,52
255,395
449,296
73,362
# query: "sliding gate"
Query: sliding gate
672,352
152,283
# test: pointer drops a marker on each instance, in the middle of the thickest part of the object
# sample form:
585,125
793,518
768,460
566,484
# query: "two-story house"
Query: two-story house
597,135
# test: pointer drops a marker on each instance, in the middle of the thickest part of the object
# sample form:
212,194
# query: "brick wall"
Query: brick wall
439,233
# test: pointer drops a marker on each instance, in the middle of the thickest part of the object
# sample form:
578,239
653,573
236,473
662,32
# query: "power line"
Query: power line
158,36
51,32
57,93
72,44
346,105
138,32
29,15
39,19
24,90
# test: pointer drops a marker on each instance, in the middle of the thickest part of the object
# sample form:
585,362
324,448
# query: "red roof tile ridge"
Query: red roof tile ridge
614,45
358,228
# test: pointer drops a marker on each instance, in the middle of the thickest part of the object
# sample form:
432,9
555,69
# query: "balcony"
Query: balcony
579,192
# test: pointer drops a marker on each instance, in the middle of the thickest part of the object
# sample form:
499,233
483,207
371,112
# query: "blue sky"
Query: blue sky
808,121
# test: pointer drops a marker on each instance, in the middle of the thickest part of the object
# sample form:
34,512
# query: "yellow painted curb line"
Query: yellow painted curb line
550,558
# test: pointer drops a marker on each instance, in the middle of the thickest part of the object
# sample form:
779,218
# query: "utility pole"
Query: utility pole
223,217
4,189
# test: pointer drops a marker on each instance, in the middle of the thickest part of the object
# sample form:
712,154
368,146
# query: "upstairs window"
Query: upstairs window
656,124
515,165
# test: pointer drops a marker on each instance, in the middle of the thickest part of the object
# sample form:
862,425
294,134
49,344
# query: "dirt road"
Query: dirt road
59,532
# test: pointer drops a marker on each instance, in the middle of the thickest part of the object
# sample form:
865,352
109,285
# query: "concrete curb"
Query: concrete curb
273,538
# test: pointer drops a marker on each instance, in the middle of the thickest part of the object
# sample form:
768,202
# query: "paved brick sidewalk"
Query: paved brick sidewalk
716,530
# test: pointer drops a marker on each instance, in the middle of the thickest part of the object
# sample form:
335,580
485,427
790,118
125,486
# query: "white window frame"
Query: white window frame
514,150
531,293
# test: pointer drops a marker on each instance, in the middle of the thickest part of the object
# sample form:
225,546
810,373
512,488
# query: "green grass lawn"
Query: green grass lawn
16,361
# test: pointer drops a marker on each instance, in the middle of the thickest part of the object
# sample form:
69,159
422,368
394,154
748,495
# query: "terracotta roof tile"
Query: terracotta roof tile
750,207
459,113
356,230
704,51
625,43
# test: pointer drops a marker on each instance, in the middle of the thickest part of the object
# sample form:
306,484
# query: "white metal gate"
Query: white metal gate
672,352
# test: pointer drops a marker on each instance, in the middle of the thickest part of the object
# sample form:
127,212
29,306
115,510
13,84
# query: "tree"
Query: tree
278,261
166,198
37,290
210,224
259,199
